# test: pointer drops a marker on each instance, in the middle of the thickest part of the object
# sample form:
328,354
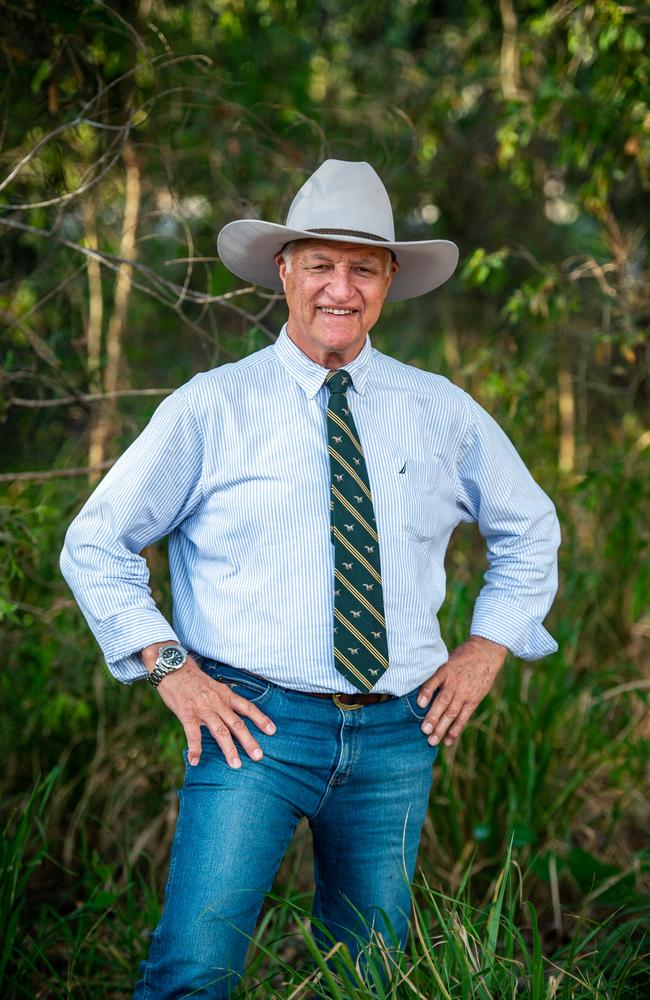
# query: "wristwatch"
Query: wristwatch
170,657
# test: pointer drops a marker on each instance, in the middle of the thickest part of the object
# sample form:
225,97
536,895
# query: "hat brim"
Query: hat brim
248,248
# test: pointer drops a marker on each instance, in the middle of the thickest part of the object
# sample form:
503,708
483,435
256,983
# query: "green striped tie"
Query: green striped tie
360,649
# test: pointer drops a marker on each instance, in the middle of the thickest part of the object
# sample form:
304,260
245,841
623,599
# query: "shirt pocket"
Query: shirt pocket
420,489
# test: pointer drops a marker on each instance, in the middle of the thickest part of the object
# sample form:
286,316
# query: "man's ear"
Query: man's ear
282,267
394,268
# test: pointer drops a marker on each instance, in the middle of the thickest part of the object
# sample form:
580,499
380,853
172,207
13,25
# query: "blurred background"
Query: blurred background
129,134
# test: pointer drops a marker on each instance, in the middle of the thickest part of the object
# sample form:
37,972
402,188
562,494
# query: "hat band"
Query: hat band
349,232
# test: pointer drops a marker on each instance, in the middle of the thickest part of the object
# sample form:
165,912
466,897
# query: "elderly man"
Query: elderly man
309,492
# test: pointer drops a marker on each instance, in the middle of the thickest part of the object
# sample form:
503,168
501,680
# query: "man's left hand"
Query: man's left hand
463,682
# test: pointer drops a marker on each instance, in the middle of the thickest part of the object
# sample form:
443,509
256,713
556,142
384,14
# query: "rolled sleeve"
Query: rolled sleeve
512,627
521,531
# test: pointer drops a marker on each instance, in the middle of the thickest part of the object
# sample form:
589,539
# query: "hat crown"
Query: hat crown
343,195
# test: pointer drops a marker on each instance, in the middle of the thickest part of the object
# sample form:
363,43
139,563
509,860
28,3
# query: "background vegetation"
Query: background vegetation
131,131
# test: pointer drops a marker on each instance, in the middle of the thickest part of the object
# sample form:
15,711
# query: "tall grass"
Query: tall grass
534,875
458,949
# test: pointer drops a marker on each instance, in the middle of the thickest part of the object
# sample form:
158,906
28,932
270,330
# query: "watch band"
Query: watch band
157,675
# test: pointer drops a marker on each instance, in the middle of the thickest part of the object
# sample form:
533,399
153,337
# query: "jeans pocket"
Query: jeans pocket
413,708
246,685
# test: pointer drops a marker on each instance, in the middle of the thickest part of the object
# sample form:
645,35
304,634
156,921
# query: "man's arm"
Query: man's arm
154,486
521,530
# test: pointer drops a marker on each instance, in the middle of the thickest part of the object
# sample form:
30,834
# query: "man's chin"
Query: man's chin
339,326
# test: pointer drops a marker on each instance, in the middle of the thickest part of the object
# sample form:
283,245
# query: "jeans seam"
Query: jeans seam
155,936
330,783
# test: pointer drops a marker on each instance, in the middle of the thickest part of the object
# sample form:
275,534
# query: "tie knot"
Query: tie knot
338,381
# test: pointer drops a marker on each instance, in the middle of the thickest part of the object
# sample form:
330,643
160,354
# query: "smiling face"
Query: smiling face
334,293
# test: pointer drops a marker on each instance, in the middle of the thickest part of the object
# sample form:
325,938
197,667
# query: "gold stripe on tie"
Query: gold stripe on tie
348,468
361,637
342,424
359,597
355,513
355,552
351,667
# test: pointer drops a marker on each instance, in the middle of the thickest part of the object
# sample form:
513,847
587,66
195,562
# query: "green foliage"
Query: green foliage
18,864
528,142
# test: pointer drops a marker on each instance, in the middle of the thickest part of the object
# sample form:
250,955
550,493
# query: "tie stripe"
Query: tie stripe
344,426
360,597
355,552
353,670
350,470
356,614
359,635
355,513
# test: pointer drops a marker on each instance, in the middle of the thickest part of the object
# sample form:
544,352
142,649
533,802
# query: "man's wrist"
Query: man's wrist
490,644
491,651
149,654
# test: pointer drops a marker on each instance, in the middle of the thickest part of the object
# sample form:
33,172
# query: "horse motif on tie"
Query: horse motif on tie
361,664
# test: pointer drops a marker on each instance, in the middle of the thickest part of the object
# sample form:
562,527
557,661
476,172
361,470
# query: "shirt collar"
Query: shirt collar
310,376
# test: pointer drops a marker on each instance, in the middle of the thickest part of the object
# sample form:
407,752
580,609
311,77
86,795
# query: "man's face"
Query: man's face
334,293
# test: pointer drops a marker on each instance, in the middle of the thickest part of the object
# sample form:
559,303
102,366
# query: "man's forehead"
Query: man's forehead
328,249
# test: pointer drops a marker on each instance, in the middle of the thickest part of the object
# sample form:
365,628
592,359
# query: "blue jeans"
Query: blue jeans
362,778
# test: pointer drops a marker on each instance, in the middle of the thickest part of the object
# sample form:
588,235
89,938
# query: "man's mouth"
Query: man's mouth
331,311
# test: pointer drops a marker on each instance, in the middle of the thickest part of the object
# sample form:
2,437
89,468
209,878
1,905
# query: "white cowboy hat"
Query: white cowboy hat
345,201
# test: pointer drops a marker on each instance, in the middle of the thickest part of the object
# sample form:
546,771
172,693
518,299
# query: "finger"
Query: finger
252,712
439,707
446,720
221,733
193,736
428,689
240,731
456,729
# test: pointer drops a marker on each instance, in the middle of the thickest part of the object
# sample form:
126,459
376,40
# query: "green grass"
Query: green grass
534,868
458,949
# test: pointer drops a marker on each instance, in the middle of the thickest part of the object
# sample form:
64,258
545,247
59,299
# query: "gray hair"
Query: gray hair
287,253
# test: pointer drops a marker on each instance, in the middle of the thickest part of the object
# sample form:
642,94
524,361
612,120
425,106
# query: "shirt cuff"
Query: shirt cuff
122,636
508,625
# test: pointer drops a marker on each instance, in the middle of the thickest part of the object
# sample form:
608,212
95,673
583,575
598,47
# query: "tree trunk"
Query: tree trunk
95,301
510,81
567,421
103,428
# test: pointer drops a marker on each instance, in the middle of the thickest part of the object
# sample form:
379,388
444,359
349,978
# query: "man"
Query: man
309,492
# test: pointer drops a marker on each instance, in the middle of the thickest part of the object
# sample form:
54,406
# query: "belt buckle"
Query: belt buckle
340,704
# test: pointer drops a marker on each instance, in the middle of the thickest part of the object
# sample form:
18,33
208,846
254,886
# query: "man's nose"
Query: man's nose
340,284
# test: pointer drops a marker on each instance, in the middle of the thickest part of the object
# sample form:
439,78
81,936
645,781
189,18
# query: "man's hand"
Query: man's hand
464,680
198,700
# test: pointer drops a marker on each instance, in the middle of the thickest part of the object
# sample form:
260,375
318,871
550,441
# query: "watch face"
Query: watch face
172,656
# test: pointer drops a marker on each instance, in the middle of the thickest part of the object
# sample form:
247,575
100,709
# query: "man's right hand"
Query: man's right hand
197,701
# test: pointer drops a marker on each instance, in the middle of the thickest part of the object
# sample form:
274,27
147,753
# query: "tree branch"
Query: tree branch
85,397
42,477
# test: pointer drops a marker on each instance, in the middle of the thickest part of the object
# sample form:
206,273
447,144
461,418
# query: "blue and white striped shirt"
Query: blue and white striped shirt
234,468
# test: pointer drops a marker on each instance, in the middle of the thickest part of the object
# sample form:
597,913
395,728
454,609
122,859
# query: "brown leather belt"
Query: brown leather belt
346,701
349,701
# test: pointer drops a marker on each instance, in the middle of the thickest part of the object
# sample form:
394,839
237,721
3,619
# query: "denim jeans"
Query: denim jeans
361,777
